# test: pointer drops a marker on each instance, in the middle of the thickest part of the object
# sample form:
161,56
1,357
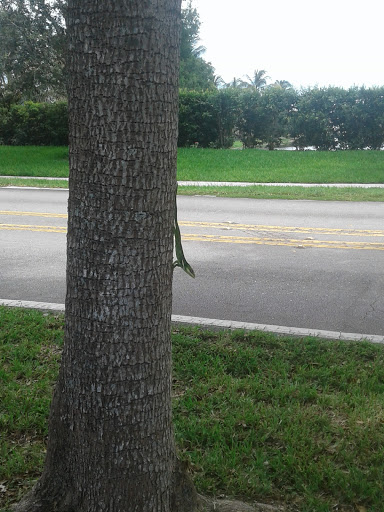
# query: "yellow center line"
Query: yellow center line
34,214
192,237
283,229
302,243
234,226
31,227
329,244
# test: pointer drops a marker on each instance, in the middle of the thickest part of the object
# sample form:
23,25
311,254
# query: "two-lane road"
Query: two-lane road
308,264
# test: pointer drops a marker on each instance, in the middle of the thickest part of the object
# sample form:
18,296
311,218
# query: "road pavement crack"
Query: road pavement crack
373,310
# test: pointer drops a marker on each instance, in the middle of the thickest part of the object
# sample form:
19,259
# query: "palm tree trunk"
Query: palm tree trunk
111,445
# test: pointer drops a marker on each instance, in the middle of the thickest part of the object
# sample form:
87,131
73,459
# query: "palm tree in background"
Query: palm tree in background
197,51
218,81
284,84
236,83
258,80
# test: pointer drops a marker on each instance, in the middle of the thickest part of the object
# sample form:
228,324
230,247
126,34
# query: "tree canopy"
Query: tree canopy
195,72
32,51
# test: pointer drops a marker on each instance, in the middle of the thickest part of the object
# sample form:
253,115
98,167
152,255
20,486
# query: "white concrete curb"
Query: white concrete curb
305,185
34,178
234,183
221,324
44,306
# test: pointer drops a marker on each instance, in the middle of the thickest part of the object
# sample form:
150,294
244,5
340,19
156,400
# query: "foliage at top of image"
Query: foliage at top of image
32,50
213,114
33,47
195,72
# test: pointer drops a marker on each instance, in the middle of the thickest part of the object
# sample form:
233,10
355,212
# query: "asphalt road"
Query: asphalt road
309,264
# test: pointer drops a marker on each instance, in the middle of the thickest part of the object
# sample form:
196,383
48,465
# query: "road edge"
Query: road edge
213,323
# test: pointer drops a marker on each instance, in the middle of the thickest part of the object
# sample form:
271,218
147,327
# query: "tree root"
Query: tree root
33,503
213,505
185,499
184,496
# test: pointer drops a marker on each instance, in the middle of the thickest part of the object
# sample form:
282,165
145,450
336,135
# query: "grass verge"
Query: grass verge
297,421
15,182
256,165
252,192
44,161
252,165
306,193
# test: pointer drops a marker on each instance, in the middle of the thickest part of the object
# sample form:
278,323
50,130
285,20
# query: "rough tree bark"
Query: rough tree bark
111,446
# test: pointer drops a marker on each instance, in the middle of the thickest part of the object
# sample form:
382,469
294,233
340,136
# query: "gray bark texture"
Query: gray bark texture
111,445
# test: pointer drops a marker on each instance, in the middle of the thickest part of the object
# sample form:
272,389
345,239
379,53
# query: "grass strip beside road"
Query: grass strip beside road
276,192
252,192
255,165
251,165
44,161
31,182
226,165
261,417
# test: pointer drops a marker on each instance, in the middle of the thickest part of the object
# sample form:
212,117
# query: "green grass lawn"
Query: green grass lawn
258,417
307,193
255,165
223,165
32,182
252,192
34,161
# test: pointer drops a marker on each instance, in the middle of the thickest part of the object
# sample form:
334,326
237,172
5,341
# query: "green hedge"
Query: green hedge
334,118
208,119
328,119
37,124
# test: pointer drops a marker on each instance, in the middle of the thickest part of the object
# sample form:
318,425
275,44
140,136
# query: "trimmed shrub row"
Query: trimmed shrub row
328,119
34,124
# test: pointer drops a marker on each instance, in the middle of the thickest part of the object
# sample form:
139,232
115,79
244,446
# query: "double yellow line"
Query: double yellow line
34,214
299,243
31,227
283,229
305,242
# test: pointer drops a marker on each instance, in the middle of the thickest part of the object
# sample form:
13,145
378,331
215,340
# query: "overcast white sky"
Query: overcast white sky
338,42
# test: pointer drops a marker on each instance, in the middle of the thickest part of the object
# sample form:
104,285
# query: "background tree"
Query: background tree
208,118
311,123
197,118
333,118
251,122
32,50
111,446
284,84
360,118
195,72
227,105
264,117
218,81
258,80
38,124
277,104
236,83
